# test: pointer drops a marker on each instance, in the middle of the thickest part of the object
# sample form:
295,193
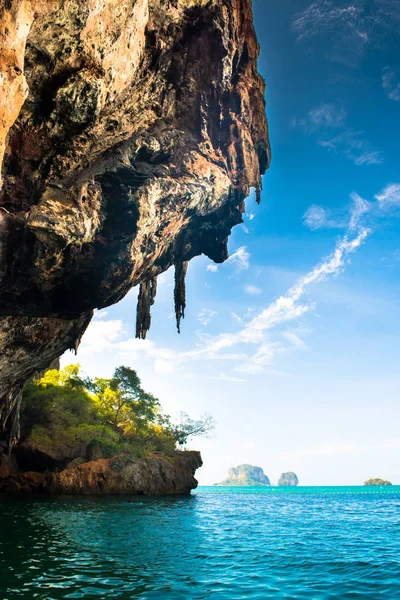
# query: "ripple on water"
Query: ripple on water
221,543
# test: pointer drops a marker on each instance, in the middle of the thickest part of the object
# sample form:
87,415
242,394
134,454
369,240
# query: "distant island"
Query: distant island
288,479
245,475
377,481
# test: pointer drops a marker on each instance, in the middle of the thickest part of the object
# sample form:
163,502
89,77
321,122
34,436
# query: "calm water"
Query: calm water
253,543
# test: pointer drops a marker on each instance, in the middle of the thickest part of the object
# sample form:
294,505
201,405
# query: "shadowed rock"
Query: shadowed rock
125,152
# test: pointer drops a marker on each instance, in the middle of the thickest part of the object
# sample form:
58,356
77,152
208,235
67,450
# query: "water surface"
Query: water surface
222,543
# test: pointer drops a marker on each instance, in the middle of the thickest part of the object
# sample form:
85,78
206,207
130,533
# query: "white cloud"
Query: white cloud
283,310
294,339
264,330
317,217
240,258
205,316
390,195
252,290
100,314
212,268
391,84
353,145
224,377
237,318
99,335
347,29
321,117
360,208
251,216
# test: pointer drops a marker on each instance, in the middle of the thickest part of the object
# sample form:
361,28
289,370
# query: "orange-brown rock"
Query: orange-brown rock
5,471
37,479
132,131
154,475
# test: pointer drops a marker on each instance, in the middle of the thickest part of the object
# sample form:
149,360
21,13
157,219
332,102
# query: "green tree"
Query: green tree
123,403
63,412
187,428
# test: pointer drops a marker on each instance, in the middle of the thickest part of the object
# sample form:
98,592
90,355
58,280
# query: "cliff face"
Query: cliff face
156,475
151,476
130,133
288,480
245,475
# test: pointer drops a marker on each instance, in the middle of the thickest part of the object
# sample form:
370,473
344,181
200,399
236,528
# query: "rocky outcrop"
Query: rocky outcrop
289,479
376,482
132,131
29,470
245,475
152,476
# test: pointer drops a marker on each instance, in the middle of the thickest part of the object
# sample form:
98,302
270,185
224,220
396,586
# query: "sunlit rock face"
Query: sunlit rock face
244,475
130,134
289,479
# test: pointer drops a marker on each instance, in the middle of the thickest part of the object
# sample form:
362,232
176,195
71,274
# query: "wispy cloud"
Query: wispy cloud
205,316
212,268
322,119
347,29
318,217
355,146
360,208
252,290
391,83
225,377
389,196
240,259
251,348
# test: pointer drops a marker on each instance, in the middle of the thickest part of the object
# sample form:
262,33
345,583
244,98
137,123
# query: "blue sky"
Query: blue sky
293,343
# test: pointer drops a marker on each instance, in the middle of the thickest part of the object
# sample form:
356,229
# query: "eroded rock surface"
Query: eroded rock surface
152,476
289,479
132,131
246,475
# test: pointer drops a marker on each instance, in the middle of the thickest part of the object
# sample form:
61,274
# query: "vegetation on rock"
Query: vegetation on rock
67,417
377,481
289,479
245,475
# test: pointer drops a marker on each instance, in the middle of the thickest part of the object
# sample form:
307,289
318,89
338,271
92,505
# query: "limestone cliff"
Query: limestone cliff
154,475
289,479
245,475
130,134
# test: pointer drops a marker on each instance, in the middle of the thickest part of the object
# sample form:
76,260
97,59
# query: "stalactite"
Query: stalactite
9,419
180,292
147,295
258,193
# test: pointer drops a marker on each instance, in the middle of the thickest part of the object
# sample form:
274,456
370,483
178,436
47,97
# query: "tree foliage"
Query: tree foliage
66,412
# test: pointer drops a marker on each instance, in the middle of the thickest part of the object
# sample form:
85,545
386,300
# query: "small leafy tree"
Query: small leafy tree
187,428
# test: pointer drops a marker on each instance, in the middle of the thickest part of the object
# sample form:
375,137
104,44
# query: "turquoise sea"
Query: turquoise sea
222,543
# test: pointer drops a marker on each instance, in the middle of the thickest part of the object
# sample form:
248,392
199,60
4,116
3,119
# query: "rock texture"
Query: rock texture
152,476
288,480
245,475
131,132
